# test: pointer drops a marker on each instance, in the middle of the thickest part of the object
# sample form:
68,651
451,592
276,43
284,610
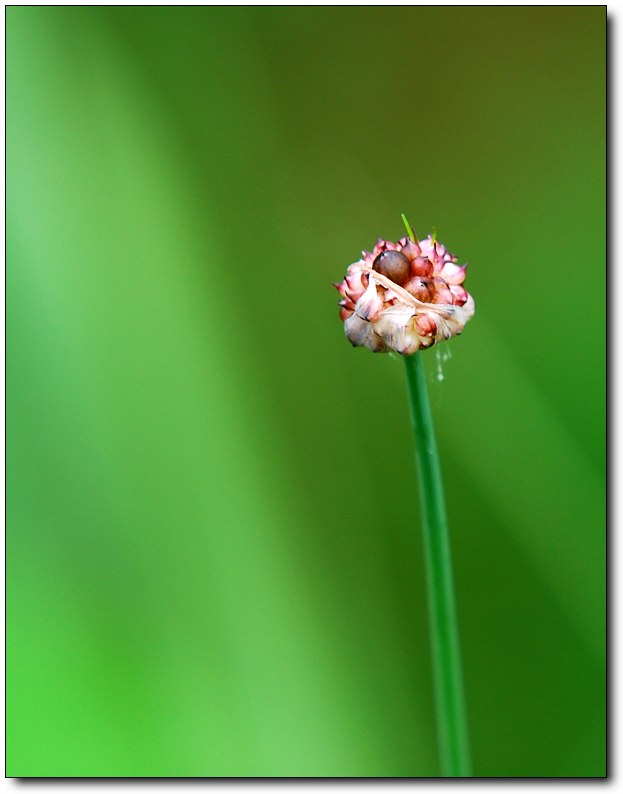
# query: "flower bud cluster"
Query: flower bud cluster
404,296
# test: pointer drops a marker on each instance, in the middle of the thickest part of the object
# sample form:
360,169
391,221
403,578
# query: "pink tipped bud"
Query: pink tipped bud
451,273
426,325
442,294
460,295
422,266
421,288
356,283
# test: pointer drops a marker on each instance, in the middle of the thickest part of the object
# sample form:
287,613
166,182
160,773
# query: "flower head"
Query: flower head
404,296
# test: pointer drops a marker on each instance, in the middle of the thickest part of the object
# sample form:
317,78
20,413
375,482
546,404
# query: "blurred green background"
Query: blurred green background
214,548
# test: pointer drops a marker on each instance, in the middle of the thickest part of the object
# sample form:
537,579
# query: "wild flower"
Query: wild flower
404,296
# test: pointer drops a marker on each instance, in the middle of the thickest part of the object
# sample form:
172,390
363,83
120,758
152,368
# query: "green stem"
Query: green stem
451,721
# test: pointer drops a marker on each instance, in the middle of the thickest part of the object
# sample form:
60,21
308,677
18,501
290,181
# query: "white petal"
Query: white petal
370,303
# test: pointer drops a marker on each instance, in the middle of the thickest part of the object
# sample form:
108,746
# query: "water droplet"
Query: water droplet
440,357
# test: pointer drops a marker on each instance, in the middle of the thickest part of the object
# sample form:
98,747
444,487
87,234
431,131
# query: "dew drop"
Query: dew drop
439,356
442,356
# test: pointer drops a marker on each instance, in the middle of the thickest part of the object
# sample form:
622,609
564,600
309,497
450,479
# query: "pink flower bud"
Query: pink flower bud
459,294
422,266
451,273
426,325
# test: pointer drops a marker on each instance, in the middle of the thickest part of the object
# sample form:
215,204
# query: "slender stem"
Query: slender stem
451,720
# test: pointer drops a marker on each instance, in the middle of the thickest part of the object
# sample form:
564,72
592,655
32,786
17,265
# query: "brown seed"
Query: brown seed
394,265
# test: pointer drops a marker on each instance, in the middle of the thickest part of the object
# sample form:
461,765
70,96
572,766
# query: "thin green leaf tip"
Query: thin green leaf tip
434,234
408,228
